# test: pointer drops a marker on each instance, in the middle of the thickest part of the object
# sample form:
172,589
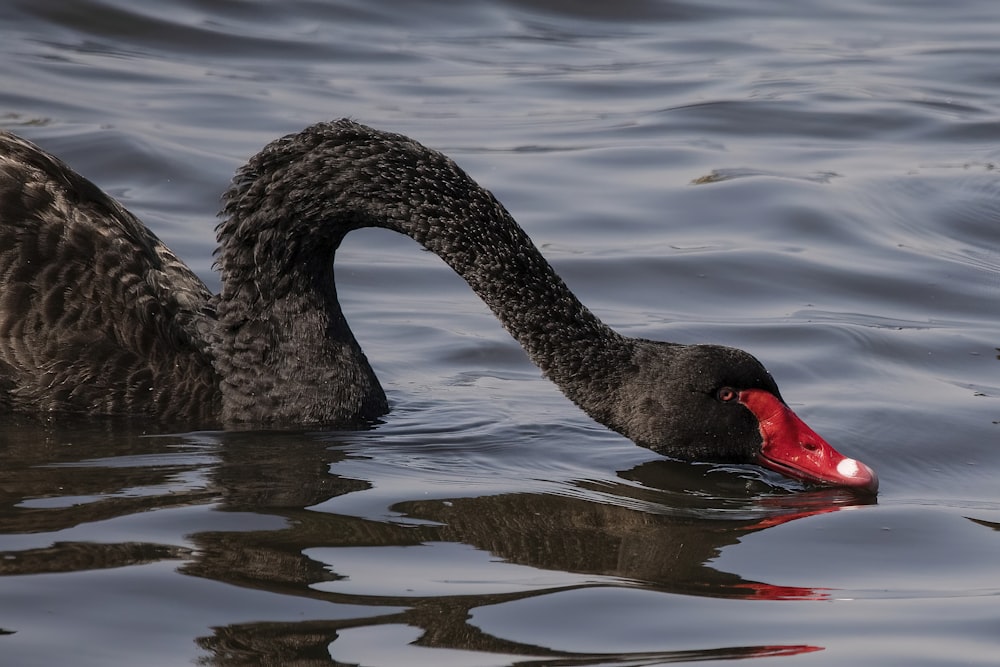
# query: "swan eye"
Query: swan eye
726,394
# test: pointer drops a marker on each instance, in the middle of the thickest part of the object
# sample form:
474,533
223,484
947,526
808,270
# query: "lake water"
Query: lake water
815,182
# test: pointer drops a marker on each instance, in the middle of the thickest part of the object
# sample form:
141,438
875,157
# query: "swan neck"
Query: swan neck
291,206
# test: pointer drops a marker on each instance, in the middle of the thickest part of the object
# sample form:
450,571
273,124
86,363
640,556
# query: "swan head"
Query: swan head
715,403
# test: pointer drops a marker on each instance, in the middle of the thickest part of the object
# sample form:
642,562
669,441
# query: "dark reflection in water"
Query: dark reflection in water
659,539
989,524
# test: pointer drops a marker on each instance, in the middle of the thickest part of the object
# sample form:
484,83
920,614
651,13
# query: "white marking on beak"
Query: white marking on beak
848,468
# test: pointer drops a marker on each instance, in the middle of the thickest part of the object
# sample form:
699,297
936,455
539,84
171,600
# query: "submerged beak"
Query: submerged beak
792,448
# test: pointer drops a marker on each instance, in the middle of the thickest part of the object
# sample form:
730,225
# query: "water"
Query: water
814,182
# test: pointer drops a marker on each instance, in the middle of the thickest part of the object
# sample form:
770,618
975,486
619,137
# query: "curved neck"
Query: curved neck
291,206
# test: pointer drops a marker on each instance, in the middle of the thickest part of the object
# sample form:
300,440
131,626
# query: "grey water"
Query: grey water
815,182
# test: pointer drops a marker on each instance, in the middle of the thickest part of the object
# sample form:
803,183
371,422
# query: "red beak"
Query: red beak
794,449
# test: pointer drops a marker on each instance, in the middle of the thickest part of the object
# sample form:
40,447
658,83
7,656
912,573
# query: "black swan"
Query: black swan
98,317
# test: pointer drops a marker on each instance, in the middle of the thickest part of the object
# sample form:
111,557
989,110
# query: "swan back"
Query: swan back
97,316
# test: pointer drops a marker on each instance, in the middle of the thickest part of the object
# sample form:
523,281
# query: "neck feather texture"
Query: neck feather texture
286,215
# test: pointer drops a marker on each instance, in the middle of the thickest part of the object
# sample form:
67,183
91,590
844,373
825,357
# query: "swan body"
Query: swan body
98,317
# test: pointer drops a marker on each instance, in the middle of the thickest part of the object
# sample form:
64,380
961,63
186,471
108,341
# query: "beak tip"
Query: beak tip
857,474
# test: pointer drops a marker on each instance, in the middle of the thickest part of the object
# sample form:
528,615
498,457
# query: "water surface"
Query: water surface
815,183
